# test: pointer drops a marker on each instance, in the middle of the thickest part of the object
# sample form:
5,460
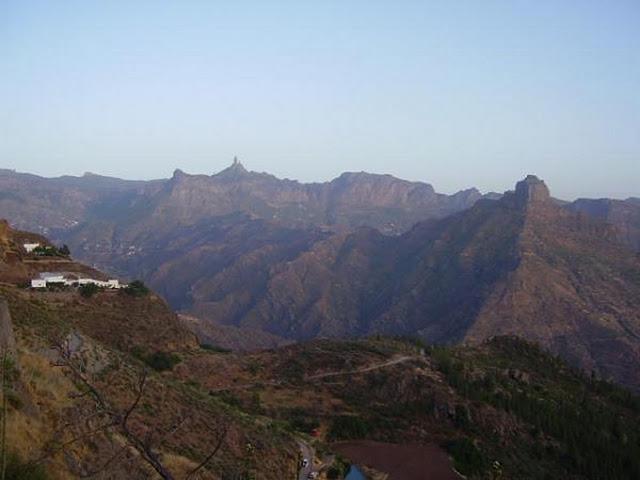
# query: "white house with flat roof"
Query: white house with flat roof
53,277
38,283
30,247
70,279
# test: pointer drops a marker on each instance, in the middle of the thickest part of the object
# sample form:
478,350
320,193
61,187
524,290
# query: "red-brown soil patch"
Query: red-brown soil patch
401,462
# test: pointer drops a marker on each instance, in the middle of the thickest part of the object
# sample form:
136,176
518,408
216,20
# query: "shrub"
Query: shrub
214,348
339,469
349,427
161,361
16,469
467,459
137,288
301,420
88,290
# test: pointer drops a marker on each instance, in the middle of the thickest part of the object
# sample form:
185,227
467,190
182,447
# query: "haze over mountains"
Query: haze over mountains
361,254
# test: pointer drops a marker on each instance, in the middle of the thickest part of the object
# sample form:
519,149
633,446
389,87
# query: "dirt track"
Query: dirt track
369,368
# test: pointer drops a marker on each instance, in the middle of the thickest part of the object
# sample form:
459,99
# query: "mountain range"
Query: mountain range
112,383
246,254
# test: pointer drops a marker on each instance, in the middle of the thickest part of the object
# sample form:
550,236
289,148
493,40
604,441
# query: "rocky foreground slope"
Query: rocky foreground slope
89,393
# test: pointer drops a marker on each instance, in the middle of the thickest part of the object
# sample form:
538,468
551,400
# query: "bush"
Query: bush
300,420
467,459
214,348
137,288
349,427
19,470
339,469
88,290
161,361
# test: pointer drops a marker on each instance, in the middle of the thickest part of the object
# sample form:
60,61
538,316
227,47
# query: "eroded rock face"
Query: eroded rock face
532,190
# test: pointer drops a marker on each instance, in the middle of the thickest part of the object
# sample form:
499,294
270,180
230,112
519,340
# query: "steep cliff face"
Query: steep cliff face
575,290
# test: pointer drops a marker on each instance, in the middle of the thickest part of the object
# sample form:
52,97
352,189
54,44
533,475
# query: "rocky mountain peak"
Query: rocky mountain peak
531,190
234,171
177,173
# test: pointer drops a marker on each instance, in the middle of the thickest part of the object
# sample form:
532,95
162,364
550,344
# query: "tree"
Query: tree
64,250
88,289
113,420
137,288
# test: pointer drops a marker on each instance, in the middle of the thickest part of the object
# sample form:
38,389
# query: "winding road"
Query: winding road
318,376
307,452
370,368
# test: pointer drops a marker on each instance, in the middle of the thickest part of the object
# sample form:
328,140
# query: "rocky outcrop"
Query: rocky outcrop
532,190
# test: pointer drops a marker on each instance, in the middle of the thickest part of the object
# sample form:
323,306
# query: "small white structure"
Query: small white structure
112,283
30,247
38,283
53,277
70,280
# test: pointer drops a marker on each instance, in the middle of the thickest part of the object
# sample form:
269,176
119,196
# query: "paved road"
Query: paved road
306,451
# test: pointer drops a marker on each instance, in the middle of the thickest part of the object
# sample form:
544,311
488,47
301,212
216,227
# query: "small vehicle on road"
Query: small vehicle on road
305,463
312,475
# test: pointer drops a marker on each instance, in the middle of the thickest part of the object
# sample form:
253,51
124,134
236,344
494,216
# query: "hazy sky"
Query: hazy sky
456,93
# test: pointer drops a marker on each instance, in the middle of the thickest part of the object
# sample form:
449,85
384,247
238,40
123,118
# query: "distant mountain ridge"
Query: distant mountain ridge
353,199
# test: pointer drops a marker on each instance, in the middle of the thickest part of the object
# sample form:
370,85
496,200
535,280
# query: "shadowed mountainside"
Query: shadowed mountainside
520,265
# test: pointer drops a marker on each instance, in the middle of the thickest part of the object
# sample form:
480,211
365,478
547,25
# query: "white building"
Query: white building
38,283
112,283
30,247
53,277
70,279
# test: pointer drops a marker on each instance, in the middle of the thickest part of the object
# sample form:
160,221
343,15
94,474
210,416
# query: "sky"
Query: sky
457,94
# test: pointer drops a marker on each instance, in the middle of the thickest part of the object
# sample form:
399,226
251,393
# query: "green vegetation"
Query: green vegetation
467,459
88,290
349,427
214,348
51,251
300,420
339,469
137,288
594,423
17,469
161,361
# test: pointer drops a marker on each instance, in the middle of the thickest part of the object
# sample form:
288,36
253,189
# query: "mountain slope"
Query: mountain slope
501,409
113,386
90,391
519,265
623,214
